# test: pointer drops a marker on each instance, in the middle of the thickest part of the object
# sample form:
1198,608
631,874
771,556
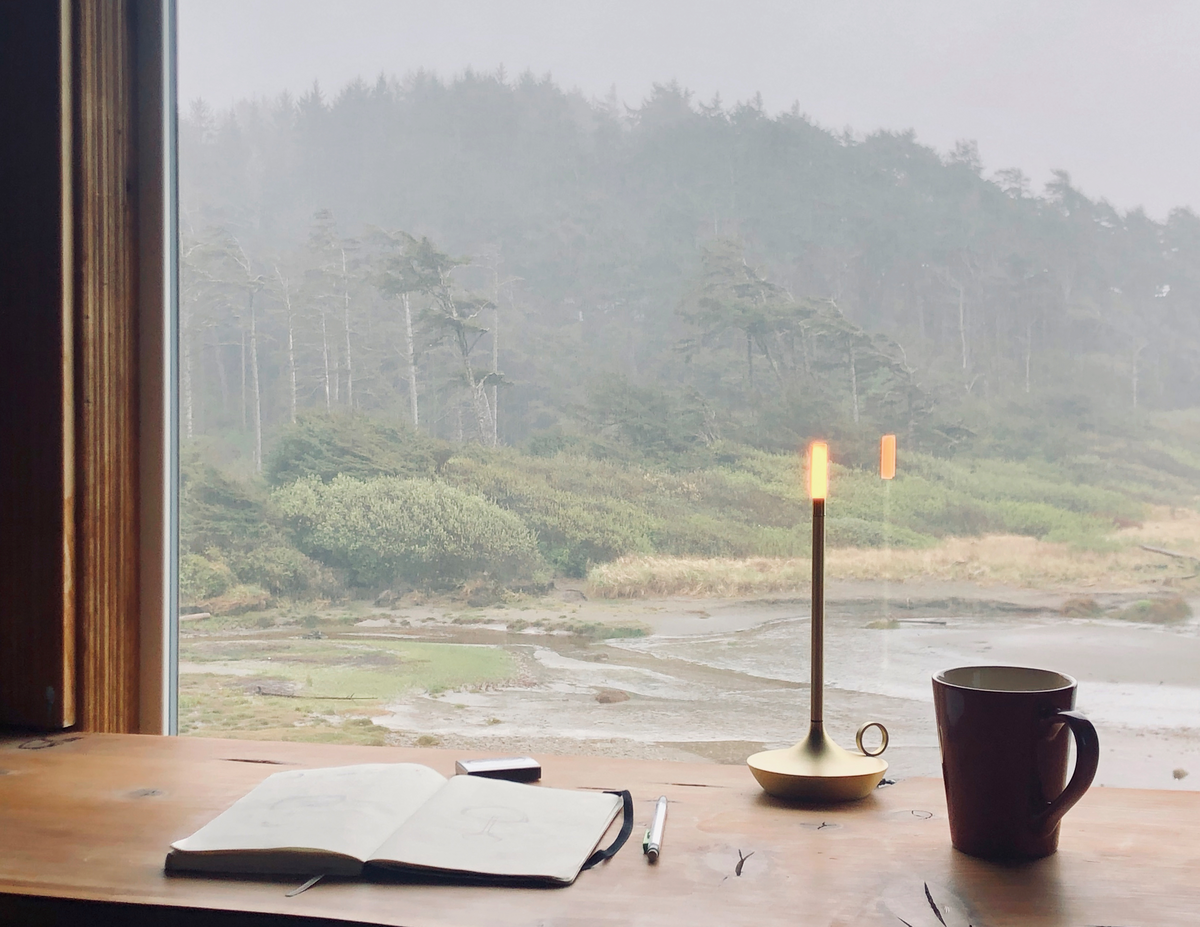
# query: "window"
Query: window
494,382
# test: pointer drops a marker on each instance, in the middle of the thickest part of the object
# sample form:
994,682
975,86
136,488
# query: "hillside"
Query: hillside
581,332
745,275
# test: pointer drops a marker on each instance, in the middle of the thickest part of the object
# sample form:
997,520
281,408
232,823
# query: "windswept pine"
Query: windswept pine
610,329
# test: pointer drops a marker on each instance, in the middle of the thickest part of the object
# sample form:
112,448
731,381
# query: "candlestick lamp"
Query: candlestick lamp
817,769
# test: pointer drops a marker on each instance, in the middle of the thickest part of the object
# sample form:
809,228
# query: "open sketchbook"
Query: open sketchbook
400,816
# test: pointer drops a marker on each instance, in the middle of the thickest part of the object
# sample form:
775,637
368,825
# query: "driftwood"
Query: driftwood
1170,553
259,690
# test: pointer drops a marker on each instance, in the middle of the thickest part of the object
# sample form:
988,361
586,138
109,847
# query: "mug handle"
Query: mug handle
1087,758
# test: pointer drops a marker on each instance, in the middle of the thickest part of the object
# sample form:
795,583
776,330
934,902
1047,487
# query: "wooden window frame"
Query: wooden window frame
87,557
124,208
158,447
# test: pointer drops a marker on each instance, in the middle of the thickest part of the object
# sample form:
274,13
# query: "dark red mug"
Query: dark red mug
1003,734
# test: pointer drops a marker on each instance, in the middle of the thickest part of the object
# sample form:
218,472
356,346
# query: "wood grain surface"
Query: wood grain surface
107,303
90,817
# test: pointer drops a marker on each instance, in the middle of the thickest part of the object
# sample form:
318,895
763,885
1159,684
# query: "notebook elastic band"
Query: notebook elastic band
626,829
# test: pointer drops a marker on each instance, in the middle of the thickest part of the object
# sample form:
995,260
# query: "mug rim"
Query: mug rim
939,678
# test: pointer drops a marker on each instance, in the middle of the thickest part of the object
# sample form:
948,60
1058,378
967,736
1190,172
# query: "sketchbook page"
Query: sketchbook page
344,810
495,828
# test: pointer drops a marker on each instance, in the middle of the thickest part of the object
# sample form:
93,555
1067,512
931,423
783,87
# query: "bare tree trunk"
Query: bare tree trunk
479,400
998,347
243,380
325,357
410,347
335,370
287,305
749,361
185,373
495,409
1137,353
346,324
495,371
255,383
478,397
854,383
1028,351
483,411
292,370
774,364
962,324
222,376
458,414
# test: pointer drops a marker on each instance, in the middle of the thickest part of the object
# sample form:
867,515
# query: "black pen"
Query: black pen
652,844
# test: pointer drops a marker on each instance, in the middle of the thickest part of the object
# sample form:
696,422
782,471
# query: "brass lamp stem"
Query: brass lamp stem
817,655
817,769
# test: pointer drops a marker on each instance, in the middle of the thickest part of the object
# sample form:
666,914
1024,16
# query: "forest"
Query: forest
436,330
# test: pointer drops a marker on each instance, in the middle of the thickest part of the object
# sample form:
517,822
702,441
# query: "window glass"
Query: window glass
504,331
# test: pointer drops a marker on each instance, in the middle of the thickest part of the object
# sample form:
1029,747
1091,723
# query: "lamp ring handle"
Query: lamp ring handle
858,738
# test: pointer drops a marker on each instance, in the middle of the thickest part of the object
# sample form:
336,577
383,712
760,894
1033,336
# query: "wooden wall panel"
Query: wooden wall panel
76,192
107,351
36,424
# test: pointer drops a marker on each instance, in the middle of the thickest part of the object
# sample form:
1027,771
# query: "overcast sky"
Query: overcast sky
1108,90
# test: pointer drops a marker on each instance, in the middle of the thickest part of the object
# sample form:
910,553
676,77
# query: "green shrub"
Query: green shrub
232,523
647,420
217,512
858,532
324,446
284,570
583,505
1081,607
202,578
701,534
574,529
1166,610
419,531
238,599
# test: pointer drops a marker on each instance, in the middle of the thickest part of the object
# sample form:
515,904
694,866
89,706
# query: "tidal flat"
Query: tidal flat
688,678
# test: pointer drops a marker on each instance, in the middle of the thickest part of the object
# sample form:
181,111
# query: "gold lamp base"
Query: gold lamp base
817,769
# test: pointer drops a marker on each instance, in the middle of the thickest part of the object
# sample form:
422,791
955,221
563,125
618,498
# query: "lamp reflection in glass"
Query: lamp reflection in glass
887,457
817,769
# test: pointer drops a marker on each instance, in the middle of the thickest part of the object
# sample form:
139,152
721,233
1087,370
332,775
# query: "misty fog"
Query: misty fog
501,328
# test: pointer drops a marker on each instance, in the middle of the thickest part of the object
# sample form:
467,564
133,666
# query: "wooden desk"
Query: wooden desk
90,818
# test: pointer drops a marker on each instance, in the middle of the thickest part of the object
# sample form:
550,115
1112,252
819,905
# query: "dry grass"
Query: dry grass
992,560
649,577
1174,528
1006,560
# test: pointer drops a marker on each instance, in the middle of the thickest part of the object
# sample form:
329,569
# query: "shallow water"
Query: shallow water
724,681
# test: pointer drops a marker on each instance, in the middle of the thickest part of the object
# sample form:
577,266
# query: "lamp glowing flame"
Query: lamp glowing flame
887,457
817,769
818,470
